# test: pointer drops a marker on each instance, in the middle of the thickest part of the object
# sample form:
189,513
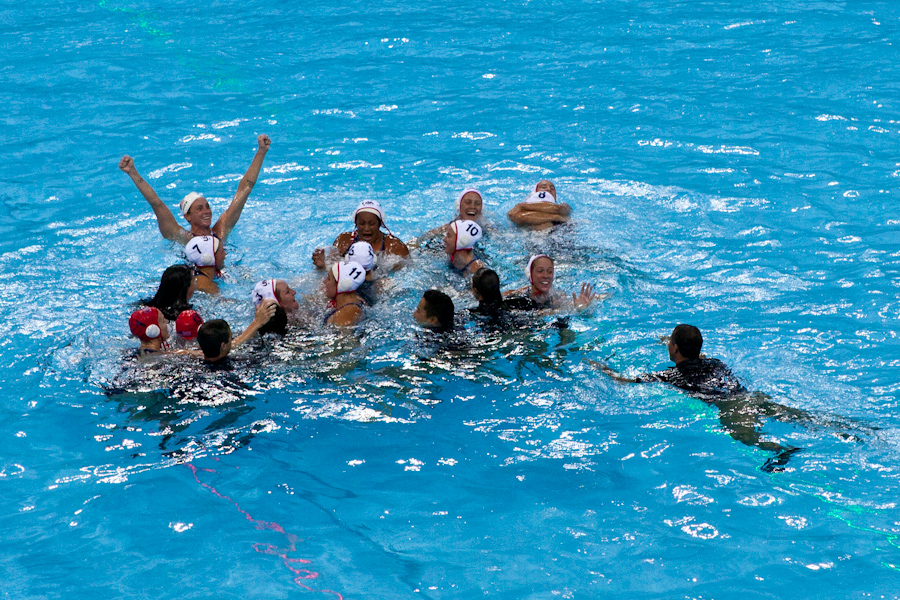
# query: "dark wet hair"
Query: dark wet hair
212,335
688,339
277,324
439,305
487,283
171,296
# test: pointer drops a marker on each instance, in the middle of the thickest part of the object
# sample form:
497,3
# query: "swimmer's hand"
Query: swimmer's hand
585,297
127,164
318,258
264,142
265,311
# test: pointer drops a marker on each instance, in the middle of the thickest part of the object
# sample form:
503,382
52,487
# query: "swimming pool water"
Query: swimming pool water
729,165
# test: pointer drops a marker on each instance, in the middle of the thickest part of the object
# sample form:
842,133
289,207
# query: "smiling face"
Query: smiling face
367,226
542,275
545,185
200,214
470,206
287,296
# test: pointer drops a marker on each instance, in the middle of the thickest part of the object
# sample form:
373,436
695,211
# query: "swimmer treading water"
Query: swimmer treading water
359,265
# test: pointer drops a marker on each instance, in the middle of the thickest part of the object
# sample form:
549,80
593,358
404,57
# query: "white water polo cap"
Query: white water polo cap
362,253
264,290
463,193
541,196
186,202
348,275
369,206
531,263
201,250
468,233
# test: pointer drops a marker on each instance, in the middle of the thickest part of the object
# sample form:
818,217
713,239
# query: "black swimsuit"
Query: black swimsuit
334,311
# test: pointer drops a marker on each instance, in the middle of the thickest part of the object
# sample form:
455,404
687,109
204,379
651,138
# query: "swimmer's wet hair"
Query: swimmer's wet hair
487,283
688,339
440,306
171,296
212,335
277,324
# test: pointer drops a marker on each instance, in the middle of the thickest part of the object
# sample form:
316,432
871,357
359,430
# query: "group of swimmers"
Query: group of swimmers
351,285
351,282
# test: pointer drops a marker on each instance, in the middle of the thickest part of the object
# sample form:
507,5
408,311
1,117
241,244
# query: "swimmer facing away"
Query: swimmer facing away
194,207
541,294
176,287
459,245
345,306
540,210
369,219
711,381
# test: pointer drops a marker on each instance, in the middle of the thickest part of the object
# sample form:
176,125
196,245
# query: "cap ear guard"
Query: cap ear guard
152,331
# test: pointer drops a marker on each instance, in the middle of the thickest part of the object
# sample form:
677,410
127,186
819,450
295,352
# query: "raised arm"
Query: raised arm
168,226
231,215
264,312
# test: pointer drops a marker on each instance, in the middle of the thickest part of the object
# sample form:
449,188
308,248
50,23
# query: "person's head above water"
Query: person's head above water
462,235
205,251
368,218
196,210
545,185
486,287
344,278
214,339
469,204
277,324
435,311
150,326
362,253
277,290
685,343
540,273
176,286
187,324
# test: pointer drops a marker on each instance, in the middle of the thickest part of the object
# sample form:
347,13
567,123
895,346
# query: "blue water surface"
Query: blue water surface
732,165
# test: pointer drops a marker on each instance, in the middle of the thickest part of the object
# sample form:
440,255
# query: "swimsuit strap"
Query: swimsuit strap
334,311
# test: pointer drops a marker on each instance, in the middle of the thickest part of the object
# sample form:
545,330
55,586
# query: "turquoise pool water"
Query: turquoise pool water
730,166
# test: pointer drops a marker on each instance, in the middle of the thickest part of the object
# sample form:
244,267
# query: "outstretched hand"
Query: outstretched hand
264,142
585,297
127,164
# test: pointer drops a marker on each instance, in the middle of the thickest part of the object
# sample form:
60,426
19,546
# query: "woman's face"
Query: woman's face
331,286
470,206
450,241
545,185
542,275
367,226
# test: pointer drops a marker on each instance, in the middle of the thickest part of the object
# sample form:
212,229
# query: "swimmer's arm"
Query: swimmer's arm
538,214
231,215
515,293
427,236
264,312
612,374
188,352
168,226
397,248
